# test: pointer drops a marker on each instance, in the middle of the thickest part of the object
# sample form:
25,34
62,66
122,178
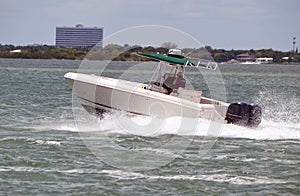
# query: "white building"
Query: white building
79,36
16,51
264,60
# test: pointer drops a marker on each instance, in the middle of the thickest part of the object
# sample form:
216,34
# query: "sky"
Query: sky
226,24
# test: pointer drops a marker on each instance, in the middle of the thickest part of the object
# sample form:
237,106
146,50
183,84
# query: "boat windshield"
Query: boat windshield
167,78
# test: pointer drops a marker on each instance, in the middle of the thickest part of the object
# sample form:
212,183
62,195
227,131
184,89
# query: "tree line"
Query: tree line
128,53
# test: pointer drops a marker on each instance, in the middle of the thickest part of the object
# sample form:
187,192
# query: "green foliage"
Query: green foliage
220,57
128,53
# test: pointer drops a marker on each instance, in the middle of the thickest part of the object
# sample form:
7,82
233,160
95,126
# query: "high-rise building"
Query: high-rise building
79,36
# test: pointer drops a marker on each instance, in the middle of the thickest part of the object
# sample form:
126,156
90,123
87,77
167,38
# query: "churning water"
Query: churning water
44,146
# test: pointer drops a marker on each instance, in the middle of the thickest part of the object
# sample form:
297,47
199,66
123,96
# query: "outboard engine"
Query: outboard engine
255,115
244,114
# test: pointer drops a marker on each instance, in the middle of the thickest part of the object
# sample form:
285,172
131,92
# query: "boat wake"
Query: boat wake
267,130
143,126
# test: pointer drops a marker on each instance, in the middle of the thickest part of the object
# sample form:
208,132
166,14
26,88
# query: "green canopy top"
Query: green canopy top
179,60
170,59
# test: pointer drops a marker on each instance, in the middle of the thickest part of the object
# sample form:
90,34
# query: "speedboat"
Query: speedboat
166,95
251,63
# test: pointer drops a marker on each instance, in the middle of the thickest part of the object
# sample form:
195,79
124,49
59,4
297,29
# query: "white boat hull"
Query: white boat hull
102,93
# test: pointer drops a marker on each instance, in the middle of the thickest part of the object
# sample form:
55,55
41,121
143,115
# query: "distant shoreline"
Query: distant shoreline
128,53
79,60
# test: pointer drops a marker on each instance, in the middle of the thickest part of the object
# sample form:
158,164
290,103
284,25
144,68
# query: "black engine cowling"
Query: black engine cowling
244,114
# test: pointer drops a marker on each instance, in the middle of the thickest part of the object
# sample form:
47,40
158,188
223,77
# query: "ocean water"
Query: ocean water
50,145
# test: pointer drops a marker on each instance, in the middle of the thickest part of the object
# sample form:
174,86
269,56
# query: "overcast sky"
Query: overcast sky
229,24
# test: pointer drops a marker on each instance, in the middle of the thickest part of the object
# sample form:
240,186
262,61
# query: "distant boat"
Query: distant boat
250,63
164,96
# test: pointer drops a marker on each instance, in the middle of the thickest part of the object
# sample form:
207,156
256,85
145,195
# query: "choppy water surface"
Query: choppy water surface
43,149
